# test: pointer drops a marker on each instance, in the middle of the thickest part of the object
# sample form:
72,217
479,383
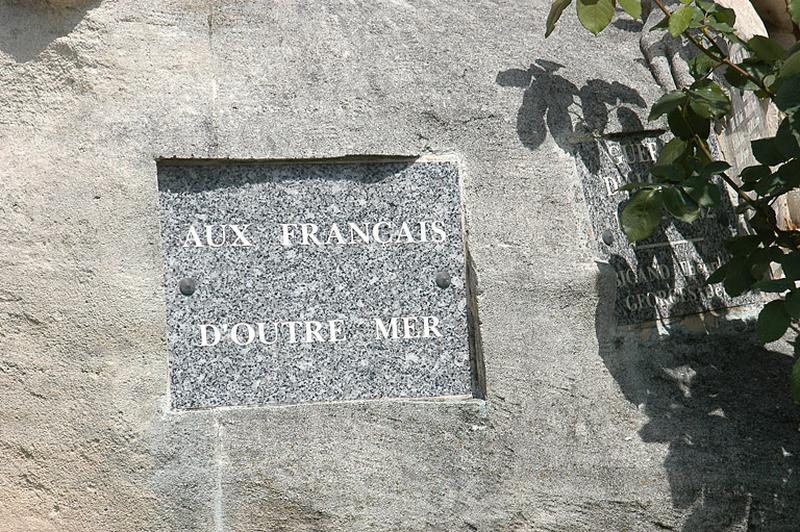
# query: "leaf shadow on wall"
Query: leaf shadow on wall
553,104
575,118
30,26
721,404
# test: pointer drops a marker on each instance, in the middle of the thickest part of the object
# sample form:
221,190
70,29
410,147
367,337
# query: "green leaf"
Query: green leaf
680,19
722,27
706,5
786,140
739,81
714,168
724,15
766,151
791,67
791,265
671,152
717,276
632,7
738,277
788,96
698,20
789,173
769,81
758,269
595,14
706,193
772,254
707,99
766,49
769,254
754,173
754,67
641,215
679,205
773,285
679,125
763,222
709,195
661,25
685,123
772,321
667,103
671,173
765,186
793,6
700,65
795,384
792,303
742,245
793,124
556,9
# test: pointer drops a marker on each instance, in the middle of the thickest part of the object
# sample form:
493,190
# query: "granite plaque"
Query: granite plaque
304,282
665,275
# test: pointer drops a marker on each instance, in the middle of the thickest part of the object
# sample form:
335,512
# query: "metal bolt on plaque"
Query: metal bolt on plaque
186,286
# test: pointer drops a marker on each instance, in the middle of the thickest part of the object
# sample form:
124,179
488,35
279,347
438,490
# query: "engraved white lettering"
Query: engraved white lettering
192,233
210,236
405,232
288,332
335,233
262,336
382,331
407,327
376,232
287,234
430,324
355,228
204,329
292,327
382,232
236,337
309,232
438,230
241,238
312,332
423,231
217,236
336,330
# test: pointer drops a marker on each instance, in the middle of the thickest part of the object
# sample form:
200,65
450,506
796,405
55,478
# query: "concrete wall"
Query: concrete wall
583,428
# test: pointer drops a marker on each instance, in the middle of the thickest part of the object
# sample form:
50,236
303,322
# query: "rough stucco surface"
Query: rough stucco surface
584,428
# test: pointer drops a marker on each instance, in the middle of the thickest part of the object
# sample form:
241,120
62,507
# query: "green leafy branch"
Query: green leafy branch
684,178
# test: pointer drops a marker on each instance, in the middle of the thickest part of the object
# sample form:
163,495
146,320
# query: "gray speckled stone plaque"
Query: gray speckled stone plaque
665,275
314,282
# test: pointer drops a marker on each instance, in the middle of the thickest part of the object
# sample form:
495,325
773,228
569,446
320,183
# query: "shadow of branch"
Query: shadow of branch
721,404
